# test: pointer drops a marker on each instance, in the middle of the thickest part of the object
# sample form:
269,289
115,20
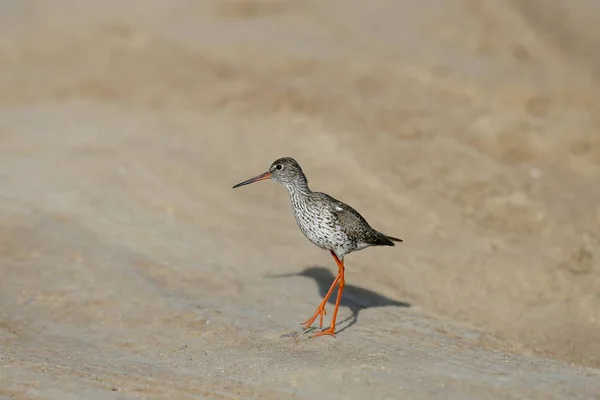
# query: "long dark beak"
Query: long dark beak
260,177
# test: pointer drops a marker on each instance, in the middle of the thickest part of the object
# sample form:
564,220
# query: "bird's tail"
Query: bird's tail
386,240
393,239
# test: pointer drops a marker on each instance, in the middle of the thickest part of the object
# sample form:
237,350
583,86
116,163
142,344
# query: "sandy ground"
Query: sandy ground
130,268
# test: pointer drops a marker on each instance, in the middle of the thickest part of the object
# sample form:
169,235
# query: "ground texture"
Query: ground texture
130,269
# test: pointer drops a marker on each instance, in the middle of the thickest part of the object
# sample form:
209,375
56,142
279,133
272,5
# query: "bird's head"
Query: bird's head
284,170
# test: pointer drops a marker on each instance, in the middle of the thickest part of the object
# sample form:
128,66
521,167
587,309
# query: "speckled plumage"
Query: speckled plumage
326,222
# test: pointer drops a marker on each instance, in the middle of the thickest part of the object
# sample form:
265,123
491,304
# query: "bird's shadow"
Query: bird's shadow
354,297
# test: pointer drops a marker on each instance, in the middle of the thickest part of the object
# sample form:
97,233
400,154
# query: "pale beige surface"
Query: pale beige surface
131,269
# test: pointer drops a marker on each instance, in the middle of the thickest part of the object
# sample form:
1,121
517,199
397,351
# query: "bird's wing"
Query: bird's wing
355,225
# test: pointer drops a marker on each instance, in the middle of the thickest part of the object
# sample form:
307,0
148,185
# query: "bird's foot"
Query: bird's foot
319,313
329,331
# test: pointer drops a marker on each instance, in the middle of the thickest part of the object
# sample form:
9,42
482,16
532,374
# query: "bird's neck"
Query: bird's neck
298,190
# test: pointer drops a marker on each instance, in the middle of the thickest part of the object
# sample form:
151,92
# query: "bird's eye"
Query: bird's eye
278,166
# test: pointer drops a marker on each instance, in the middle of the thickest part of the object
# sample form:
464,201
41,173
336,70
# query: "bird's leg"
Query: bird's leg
321,309
341,283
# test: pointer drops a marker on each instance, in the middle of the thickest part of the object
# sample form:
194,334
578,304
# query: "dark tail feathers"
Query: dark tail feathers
393,239
388,240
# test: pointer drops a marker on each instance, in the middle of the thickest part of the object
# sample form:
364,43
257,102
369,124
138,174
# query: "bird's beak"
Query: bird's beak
260,177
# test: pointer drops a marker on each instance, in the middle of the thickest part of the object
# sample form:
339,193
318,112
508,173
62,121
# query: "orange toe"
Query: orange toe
327,332
319,313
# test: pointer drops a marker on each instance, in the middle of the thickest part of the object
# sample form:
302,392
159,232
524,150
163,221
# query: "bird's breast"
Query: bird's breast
320,226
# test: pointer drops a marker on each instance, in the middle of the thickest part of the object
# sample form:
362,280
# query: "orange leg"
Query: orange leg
341,284
321,309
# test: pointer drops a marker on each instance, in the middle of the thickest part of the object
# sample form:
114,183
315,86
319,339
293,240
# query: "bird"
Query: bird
327,223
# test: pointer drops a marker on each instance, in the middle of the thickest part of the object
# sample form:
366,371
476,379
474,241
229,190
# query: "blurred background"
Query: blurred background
468,128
